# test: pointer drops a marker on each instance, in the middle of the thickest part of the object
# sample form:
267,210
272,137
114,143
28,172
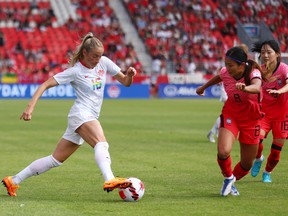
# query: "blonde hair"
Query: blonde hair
244,47
88,42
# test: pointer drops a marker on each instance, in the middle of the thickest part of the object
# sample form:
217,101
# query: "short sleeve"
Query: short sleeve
66,76
222,71
112,68
255,74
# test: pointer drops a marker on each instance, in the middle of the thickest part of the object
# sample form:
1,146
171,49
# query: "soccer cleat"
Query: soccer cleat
266,177
210,136
256,166
227,185
234,191
121,183
10,186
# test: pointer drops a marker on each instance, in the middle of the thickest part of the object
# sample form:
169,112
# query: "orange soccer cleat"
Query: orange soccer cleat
116,183
10,186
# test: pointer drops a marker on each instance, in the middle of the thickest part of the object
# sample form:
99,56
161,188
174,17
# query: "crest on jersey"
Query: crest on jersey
228,121
100,72
256,74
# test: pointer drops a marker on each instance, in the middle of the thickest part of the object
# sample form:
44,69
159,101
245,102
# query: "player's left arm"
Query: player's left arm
126,78
253,88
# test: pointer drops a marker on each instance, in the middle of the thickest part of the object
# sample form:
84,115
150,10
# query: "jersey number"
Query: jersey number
284,125
257,130
237,98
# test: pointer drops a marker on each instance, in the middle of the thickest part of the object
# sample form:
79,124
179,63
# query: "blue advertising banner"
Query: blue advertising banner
120,91
186,91
25,91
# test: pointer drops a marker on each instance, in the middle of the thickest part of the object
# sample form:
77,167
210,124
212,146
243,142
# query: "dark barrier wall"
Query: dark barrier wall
186,91
24,91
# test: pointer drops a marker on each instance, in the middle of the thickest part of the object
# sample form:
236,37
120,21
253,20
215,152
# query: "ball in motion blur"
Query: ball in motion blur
133,193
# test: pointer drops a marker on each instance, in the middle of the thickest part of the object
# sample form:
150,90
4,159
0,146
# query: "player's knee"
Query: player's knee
223,154
54,162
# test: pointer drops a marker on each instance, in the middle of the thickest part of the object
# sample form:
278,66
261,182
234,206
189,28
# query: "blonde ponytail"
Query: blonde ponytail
88,42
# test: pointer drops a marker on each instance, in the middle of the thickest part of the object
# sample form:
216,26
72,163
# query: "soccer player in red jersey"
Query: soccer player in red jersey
223,97
240,117
275,106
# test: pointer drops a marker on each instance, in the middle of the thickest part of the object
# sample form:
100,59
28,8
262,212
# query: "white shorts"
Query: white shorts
75,120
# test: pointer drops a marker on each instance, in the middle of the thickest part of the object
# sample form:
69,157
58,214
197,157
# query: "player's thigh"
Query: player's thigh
92,132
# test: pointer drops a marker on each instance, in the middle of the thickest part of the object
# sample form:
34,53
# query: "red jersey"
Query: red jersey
241,105
276,107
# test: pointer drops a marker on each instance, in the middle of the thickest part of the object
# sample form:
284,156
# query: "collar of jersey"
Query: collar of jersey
84,64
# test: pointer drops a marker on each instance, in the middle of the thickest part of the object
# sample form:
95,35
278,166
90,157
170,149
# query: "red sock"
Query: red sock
274,156
239,172
225,166
260,149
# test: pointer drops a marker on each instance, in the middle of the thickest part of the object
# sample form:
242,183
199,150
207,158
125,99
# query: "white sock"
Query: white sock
260,159
266,172
102,158
36,168
216,126
230,177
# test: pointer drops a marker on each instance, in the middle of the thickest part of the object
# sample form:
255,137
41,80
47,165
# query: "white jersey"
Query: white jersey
88,84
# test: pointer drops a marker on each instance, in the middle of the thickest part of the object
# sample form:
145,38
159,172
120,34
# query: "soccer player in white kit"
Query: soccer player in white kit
87,75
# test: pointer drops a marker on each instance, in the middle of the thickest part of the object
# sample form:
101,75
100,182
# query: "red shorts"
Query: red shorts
246,131
279,128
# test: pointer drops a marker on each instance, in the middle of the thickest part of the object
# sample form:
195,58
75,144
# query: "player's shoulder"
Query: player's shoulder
105,59
283,66
256,73
222,71
75,67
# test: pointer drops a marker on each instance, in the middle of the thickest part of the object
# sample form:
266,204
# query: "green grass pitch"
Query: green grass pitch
162,142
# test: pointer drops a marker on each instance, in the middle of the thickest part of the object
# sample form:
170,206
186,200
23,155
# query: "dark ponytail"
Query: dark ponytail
249,67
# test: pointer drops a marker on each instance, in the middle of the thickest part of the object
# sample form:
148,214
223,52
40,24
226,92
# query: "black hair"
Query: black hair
238,55
272,43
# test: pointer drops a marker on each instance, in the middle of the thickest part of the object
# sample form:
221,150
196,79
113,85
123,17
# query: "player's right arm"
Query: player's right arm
27,114
214,80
